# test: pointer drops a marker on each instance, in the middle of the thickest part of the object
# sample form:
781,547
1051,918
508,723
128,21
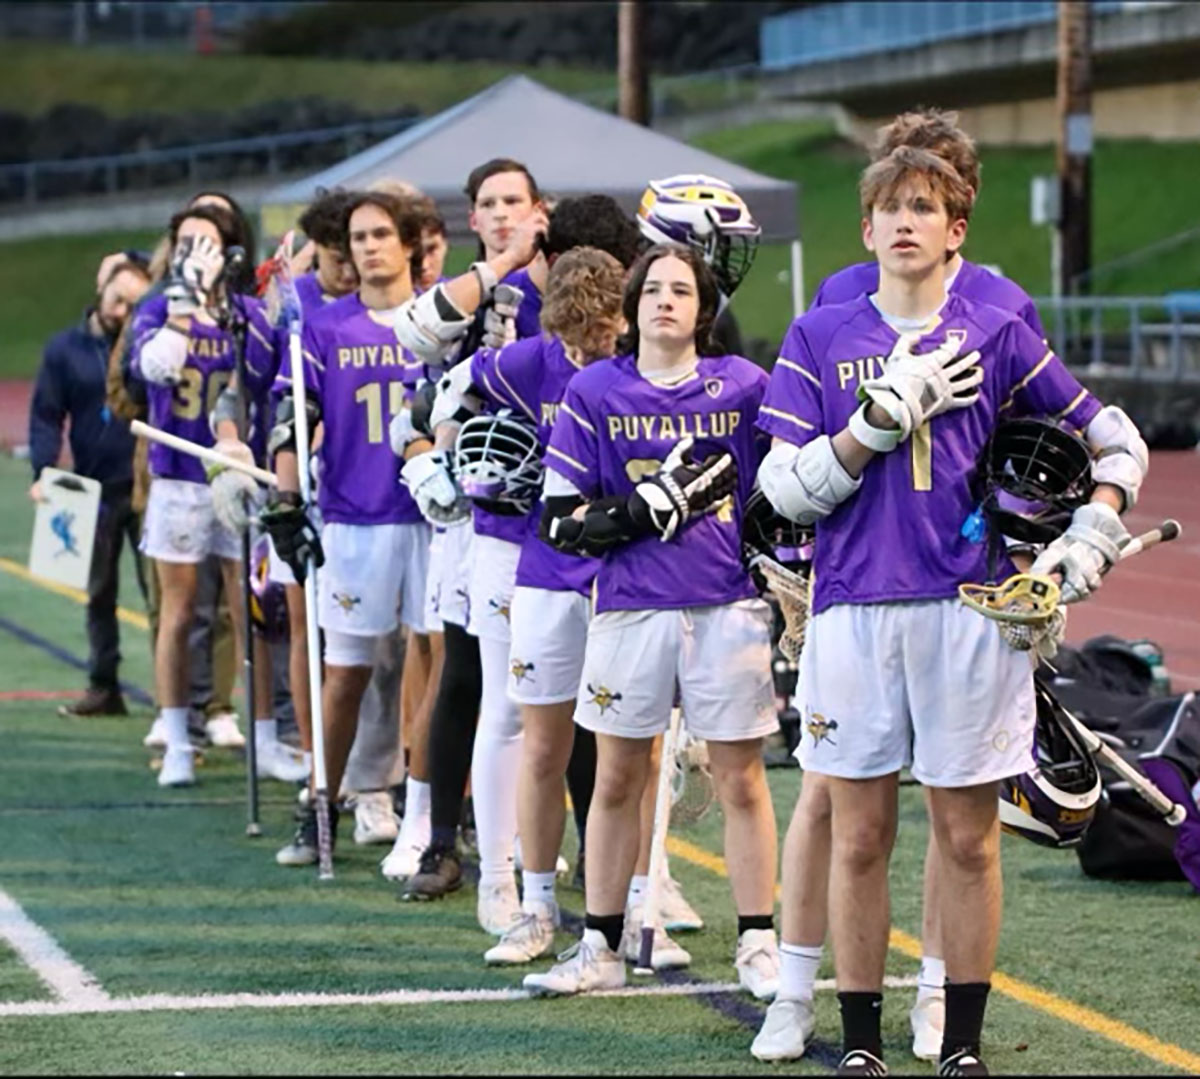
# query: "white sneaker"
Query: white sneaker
757,963
590,964
375,818
786,1030
157,738
928,1021
178,769
498,907
222,731
275,760
402,860
678,915
530,936
665,954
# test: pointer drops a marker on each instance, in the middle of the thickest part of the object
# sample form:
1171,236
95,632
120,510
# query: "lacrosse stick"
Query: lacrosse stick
283,305
791,590
203,453
658,846
692,789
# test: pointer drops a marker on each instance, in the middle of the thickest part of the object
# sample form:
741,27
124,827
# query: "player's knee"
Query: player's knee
971,850
617,786
813,808
863,843
743,790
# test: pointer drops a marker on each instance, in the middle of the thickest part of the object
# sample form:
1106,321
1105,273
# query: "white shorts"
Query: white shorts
278,571
549,639
718,657
433,580
180,525
452,599
928,684
493,579
373,578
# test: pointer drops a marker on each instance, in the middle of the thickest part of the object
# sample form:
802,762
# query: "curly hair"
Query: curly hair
935,130
324,221
593,221
708,294
582,304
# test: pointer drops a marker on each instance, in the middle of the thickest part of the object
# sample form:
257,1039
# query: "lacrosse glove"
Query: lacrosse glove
296,540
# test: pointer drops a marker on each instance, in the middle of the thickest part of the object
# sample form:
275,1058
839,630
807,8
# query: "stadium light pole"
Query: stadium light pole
633,76
1075,139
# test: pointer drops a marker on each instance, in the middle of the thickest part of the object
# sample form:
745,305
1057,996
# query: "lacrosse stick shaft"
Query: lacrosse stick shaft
658,845
1169,530
204,453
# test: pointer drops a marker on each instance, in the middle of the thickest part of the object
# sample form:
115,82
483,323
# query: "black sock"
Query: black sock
452,728
443,837
755,921
581,777
861,1014
965,1005
611,925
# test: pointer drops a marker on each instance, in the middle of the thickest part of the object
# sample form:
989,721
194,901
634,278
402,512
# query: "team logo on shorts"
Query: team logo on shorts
603,698
821,729
346,601
520,670
499,607
713,387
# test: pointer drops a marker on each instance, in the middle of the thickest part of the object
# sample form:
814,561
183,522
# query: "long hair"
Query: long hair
707,293
243,237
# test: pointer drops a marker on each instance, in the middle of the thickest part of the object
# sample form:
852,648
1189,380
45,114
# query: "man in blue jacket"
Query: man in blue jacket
71,385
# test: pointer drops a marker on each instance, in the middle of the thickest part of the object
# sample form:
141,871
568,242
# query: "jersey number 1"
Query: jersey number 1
371,395
922,457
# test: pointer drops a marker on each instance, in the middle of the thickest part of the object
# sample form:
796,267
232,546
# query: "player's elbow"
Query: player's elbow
783,481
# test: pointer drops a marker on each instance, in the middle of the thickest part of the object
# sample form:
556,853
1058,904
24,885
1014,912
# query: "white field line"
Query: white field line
67,980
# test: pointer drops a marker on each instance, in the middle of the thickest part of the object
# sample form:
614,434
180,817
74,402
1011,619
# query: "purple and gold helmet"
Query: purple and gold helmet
706,213
268,600
1054,802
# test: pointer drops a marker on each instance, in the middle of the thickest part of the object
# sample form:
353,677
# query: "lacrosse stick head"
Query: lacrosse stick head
791,590
1025,599
282,299
1053,803
692,788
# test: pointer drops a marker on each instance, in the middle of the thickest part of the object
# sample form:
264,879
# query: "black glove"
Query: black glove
661,504
296,540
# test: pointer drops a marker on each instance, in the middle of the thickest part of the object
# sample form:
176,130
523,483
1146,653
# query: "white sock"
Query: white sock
798,966
539,888
932,976
637,891
418,802
266,730
175,721
495,765
308,760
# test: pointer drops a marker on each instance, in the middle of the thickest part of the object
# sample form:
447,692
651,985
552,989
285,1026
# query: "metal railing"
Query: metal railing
31,181
1142,338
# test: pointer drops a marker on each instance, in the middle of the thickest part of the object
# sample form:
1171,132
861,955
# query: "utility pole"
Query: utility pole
1075,141
633,76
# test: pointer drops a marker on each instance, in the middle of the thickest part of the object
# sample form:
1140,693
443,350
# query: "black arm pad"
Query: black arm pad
283,434
606,523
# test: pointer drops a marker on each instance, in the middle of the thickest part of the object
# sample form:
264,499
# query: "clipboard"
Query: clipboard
64,528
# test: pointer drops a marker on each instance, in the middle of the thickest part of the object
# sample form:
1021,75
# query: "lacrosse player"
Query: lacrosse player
878,409
186,360
674,602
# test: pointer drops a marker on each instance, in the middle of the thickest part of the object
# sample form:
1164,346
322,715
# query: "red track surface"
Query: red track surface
1154,595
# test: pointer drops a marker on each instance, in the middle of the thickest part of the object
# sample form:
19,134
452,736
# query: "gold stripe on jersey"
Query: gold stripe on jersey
585,424
783,361
1079,398
512,389
1037,370
257,333
662,425
789,417
570,460
313,360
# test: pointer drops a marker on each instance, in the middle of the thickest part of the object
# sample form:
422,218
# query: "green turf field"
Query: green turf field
155,892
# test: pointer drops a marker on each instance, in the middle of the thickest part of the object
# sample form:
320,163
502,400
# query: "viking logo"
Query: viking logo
713,387
520,670
499,607
603,698
346,602
821,729
60,525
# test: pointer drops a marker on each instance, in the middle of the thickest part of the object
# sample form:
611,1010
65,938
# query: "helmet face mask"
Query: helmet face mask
766,531
498,463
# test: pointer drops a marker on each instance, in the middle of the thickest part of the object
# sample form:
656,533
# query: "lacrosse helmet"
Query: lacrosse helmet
1035,474
1054,802
766,531
268,600
706,213
498,463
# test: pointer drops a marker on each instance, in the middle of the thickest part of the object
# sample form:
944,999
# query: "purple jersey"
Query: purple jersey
183,409
530,377
972,282
614,426
899,537
362,378
312,298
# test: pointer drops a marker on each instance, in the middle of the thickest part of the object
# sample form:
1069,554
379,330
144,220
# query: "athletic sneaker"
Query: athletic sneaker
860,1062
757,962
497,907
439,872
374,819
531,936
928,1020
665,954
589,965
678,915
95,702
302,850
964,1062
786,1030
274,760
403,860
157,738
178,768
222,731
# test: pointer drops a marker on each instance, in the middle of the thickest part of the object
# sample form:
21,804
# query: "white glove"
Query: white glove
428,478
1084,551
500,319
402,433
202,265
914,389
235,496
163,357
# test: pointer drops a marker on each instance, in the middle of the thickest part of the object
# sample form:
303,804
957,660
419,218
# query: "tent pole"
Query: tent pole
797,276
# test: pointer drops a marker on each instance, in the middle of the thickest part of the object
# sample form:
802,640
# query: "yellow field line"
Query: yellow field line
1068,1011
132,618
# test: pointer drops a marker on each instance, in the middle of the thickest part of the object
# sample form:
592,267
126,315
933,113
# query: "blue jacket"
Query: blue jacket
71,384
